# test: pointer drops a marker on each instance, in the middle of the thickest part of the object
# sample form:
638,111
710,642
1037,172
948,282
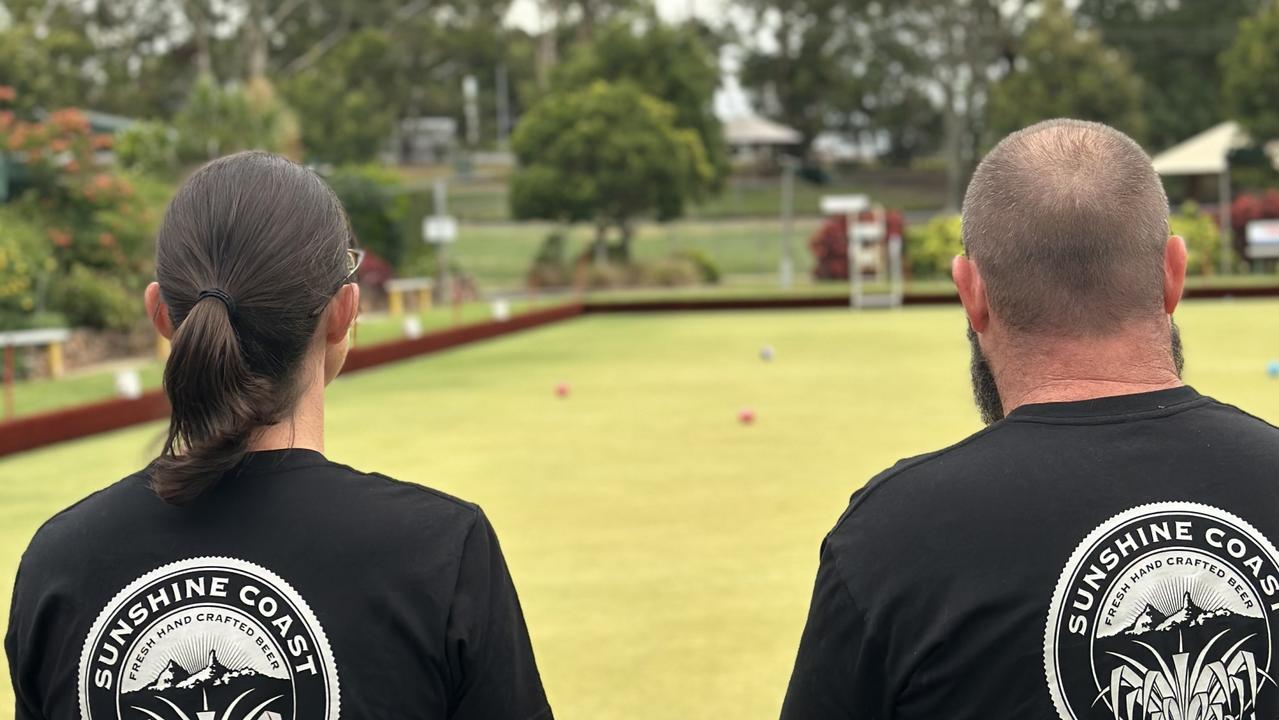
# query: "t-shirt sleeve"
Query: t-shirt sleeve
840,670
17,646
494,675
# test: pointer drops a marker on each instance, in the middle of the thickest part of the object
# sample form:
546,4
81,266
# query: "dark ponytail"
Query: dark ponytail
251,250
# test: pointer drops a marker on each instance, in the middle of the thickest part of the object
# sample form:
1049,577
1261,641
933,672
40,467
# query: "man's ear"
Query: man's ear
972,292
1174,272
158,311
341,315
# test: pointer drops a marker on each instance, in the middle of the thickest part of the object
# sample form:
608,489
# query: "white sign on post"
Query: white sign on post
1263,239
439,228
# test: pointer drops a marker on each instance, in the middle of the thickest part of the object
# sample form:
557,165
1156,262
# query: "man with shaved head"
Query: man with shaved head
1104,547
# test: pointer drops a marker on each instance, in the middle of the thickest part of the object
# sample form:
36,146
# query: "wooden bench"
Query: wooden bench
397,288
50,338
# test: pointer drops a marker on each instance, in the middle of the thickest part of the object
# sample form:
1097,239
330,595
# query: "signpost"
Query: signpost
870,251
786,272
440,229
1263,239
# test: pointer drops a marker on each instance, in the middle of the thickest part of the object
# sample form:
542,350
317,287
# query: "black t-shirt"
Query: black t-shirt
1111,558
297,588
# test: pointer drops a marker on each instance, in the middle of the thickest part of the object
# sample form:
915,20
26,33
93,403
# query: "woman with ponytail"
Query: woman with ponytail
242,574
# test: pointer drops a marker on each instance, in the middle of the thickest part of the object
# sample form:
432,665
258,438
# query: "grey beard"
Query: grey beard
986,392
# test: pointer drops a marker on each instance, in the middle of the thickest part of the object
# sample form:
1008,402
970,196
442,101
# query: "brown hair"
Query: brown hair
1066,221
251,250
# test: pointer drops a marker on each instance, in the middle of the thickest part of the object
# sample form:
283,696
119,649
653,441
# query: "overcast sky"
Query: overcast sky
524,12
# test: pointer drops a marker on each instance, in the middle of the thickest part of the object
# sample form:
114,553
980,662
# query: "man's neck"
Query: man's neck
1074,370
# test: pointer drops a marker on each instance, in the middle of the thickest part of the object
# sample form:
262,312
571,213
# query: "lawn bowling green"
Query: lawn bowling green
653,536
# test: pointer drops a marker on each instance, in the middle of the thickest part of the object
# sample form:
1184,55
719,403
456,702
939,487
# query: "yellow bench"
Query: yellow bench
396,290
50,338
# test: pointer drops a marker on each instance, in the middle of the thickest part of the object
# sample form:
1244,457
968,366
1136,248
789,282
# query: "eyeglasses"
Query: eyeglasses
354,259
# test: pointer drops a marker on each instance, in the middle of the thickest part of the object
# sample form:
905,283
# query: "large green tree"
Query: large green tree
871,64
1063,71
800,59
345,102
671,63
607,154
1250,75
1174,46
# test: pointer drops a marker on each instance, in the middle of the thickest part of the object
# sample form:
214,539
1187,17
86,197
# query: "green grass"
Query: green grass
42,395
664,553
499,256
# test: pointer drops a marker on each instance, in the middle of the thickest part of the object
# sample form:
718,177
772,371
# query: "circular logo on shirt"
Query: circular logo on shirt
208,639
1166,611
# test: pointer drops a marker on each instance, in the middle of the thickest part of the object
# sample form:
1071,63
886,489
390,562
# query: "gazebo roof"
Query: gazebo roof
1203,154
756,130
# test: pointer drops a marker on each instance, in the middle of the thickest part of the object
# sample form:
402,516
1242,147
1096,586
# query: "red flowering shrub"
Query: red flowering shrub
1247,207
96,225
829,244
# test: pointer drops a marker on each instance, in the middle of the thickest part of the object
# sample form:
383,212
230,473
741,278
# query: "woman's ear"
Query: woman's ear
158,311
343,310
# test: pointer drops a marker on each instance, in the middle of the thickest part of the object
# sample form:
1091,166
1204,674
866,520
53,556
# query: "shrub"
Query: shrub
148,147
219,120
25,264
550,268
1247,207
707,270
829,244
95,300
670,271
930,249
607,276
375,207
1203,238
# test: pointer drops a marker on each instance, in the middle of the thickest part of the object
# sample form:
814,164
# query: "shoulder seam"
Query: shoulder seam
881,479
474,508
1243,412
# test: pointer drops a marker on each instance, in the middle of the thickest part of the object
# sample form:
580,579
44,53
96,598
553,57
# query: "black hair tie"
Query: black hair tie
220,295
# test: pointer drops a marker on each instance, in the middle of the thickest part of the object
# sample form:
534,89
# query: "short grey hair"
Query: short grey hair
1067,221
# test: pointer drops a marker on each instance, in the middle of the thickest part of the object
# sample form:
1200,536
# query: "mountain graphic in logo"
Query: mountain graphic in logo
1188,615
214,687
213,674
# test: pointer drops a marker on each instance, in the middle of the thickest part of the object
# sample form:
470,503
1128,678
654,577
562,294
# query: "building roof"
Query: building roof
1203,154
756,130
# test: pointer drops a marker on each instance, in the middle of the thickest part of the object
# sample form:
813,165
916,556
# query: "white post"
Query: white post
786,271
441,248
854,270
1223,212
471,97
895,270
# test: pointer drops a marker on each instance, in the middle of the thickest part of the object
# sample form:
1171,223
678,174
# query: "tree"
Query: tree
1174,46
1250,75
346,101
823,60
46,71
1062,71
671,63
961,46
223,119
803,70
606,154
